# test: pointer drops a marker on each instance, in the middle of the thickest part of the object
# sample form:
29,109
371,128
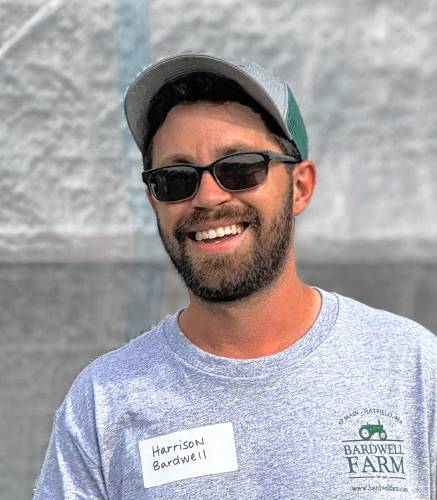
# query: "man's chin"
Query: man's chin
213,278
219,294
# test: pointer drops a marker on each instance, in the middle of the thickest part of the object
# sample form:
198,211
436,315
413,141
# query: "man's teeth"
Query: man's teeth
218,232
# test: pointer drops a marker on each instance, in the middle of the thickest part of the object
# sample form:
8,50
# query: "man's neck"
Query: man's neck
261,325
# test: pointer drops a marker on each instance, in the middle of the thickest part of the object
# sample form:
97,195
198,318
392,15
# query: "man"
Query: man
263,387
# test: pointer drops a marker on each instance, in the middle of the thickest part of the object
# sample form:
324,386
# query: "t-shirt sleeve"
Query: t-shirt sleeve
72,466
68,473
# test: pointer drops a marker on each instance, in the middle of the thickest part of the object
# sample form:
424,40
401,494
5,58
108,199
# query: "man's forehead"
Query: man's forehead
219,128
218,151
230,116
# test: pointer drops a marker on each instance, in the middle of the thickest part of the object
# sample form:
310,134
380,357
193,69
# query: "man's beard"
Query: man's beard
234,276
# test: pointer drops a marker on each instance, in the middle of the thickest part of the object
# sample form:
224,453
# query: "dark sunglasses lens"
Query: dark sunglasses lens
241,171
173,183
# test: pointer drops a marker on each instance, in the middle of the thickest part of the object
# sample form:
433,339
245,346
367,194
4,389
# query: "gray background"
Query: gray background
81,267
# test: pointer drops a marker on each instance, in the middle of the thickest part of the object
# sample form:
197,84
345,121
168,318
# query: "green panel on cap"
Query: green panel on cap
296,125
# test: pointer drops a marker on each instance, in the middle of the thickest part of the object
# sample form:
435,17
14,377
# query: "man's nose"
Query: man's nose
210,194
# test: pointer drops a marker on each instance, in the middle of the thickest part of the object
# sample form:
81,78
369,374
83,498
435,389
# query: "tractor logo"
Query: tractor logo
367,431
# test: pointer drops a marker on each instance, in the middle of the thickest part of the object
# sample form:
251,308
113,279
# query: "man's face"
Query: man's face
226,267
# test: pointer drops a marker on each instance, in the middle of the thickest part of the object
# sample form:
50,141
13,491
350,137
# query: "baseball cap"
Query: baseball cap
271,92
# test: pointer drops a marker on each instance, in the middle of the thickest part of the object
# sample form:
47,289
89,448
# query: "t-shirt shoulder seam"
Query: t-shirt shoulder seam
76,442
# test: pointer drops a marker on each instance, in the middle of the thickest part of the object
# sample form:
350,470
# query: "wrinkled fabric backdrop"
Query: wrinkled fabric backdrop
81,267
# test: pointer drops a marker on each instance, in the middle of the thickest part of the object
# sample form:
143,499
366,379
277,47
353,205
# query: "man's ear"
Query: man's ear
304,183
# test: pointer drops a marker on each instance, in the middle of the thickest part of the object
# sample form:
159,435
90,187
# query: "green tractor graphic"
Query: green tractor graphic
367,431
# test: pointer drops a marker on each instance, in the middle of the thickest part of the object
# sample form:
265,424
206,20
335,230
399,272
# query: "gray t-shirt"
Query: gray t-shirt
348,411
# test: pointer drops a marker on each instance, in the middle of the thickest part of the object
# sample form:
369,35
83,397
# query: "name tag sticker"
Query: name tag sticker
189,453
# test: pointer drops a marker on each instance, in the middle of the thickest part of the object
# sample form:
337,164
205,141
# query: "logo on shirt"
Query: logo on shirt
373,450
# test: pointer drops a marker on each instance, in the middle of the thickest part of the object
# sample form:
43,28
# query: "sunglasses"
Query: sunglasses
235,172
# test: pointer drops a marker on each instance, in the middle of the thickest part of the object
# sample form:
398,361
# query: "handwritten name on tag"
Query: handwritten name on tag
189,453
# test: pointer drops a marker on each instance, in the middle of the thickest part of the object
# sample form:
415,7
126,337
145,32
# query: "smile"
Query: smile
218,232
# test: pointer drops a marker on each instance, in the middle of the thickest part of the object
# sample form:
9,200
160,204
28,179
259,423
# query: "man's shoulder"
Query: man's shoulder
384,326
137,358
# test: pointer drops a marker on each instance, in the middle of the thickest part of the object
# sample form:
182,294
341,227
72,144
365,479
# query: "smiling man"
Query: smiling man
263,386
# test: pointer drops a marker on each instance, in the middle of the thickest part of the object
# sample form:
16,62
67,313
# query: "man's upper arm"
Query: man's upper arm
68,472
72,466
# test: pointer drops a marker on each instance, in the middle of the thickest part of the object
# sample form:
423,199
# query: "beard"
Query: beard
240,274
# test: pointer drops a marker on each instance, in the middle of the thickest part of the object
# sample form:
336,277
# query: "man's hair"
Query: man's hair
210,88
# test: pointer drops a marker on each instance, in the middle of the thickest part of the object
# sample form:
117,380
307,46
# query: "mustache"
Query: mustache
248,214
